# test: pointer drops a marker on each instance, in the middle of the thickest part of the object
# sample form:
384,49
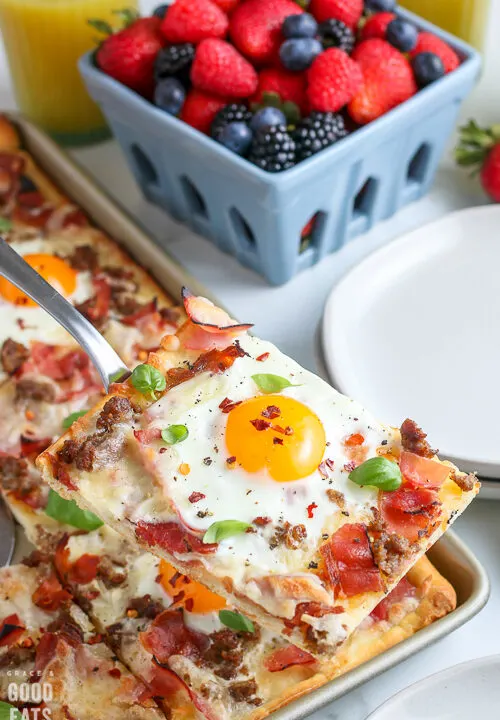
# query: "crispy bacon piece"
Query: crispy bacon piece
404,589
422,472
96,309
11,167
196,497
84,570
46,650
164,683
173,537
148,435
208,325
314,609
168,635
33,446
134,319
32,209
349,561
11,630
414,439
214,361
50,594
409,512
285,657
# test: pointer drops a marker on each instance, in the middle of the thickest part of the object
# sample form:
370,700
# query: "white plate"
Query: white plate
414,331
466,691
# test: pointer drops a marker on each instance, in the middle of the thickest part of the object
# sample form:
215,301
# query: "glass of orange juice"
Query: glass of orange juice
466,19
43,40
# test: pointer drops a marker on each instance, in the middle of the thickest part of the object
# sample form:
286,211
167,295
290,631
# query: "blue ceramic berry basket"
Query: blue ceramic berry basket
257,216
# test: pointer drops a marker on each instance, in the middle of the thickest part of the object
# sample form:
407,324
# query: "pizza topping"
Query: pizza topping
33,446
410,512
389,550
291,535
349,561
11,629
45,651
223,529
11,167
354,440
286,657
14,474
245,691
227,405
314,609
464,482
50,595
39,390
404,589
212,318
72,418
135,312
235,621
172,537
414,440
84,257
269,383
146,607
168,635
336,497
116,410
310,509
422,472
196,497
148,380
377,472
174,434
96,308
13,355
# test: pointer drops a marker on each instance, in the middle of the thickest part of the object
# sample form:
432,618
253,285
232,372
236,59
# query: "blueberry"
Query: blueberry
160,11
298,54
402,34
427,68
170,95
380,5
299,26
266,118
237,137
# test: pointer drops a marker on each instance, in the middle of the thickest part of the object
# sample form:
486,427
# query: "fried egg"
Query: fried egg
22,319
271,456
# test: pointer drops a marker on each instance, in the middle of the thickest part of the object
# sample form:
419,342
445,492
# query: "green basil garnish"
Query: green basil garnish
268,383
68,421
174,434
223,529
148,380
9,712
378,472
235,621
5,224
68,512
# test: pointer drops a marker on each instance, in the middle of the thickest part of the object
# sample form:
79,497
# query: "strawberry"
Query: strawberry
290,87
347,11
376,25
388,81
129,55
334,78
480,148
219,69
427,42
255,27
200,109
194,20
227,5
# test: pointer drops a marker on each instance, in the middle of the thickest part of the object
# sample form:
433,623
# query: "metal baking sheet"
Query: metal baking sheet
450,555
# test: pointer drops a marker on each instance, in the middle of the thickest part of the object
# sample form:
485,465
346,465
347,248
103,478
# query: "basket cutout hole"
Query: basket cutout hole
194,198
365,198
312,231
417,168
243,231
145,168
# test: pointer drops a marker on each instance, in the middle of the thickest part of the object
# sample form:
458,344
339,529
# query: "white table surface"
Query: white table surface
289,316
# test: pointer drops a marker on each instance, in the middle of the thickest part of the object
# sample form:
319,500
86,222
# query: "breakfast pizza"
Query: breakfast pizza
52,659
255,478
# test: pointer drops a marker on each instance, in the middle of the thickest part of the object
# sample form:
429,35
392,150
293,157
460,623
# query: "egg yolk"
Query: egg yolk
55,271
276,433
196,598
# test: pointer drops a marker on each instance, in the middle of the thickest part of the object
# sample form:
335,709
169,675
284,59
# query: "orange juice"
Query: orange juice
43,40
465,18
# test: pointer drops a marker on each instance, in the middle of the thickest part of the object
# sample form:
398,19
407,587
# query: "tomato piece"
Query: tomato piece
423,472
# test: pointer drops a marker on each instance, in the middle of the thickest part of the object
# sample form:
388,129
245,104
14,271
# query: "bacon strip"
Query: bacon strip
11,630
50,594
404,589
173,537
349,561
285,657
168,635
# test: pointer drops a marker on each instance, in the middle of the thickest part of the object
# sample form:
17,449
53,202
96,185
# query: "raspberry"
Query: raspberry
193,20
255,27
290,87
200,109
219,69
427,42
348,11
229,114
334,78
376,26
317,132
273,149
335,33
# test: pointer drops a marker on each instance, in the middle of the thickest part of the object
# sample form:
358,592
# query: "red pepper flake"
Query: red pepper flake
310,509
94,639
271,412
284,431
261,521
260,424
115,673
196,497
354,440
173,580
231,460
179,597
189,604
227,405
162,450
262,357
250,530
277,441
350,466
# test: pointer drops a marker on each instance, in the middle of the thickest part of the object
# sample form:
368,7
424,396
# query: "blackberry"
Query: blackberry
317,132
236,112
334,33
174,61
273,149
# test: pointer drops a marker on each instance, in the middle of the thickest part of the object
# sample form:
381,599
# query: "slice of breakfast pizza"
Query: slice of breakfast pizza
257,479
52,660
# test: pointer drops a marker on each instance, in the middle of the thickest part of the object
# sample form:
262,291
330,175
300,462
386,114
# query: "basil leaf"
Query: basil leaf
68,512
378,472
68,421
174,434
268,383
223,529
148,380
9,712
235,621
5,224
